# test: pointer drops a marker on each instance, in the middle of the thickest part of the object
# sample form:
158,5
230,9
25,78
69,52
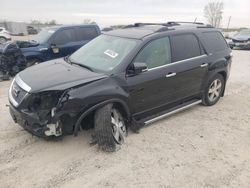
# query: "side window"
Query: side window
156,53
1,30
64,36
184,47
85,33
214,41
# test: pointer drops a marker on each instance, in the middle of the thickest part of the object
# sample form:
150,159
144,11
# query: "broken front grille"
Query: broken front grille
16,94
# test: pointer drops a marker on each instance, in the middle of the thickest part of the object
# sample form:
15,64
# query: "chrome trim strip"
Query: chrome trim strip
193,58
12,100
22,84
172,112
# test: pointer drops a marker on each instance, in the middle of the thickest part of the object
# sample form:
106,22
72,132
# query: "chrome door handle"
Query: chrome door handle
170,74
204,65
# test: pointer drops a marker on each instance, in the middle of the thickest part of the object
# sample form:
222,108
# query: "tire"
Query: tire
2,40
31,62
214,90
110,128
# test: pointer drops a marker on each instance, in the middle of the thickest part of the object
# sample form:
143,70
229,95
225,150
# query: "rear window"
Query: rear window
86,33
185,46
214,41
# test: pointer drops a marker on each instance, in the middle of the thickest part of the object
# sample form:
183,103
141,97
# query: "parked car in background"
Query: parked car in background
57,41
4,35
123,78
31,30
241,39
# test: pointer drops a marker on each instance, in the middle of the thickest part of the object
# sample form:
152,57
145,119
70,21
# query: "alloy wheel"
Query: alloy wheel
215,90
119,130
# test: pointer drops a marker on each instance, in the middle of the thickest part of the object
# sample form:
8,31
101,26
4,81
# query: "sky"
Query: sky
112,12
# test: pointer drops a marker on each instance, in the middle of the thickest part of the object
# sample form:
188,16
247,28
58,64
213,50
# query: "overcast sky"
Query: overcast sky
110,12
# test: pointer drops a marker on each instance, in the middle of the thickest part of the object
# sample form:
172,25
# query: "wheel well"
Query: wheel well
88,120
224,74
117,102
121,109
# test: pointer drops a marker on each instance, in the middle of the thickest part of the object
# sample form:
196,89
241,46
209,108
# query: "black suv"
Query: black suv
123,78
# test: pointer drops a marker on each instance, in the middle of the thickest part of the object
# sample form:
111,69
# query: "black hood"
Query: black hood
57,75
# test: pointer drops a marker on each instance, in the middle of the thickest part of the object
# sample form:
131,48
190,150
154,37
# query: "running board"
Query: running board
172,112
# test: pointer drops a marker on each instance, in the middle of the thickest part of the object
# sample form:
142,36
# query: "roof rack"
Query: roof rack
170,24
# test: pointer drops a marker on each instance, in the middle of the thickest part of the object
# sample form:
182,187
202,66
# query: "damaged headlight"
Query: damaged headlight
45,100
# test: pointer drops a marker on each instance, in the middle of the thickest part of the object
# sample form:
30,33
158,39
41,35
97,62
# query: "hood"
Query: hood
241,37
27,44
56,75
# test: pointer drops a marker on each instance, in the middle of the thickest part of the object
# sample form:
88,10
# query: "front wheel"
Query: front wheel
214,90
110,128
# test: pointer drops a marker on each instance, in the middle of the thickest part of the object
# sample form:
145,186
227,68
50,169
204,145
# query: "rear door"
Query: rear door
189,66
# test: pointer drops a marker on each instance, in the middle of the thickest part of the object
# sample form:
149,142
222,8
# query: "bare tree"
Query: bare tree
213,13
88,21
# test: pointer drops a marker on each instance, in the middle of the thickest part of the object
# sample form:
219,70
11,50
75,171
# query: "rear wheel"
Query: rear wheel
110,128
214,90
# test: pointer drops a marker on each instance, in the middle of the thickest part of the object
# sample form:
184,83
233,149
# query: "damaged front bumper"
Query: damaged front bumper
32,123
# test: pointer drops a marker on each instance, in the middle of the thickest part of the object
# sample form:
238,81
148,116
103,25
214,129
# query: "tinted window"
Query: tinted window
184,47
1,30
64,37
214,41
156,53
86,33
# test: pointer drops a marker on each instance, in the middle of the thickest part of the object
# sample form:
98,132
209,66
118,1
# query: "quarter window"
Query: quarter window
156,53
184,47
214,41
64,36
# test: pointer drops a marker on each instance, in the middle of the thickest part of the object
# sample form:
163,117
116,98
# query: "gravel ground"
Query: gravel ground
200,147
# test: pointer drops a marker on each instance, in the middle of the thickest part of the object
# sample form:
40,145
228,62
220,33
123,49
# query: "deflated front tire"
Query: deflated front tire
110,128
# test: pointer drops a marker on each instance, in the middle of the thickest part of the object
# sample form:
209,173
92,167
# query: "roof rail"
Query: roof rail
175,22
168,25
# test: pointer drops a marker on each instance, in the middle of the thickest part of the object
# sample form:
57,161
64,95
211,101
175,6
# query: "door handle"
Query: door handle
204,65
170,75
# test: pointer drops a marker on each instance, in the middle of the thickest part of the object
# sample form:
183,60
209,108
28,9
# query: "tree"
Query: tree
52,22
213,13
88,21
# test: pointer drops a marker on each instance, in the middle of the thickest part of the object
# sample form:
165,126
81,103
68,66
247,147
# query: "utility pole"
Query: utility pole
229,20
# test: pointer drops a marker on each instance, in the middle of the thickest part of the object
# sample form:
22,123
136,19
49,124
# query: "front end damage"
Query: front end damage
39,113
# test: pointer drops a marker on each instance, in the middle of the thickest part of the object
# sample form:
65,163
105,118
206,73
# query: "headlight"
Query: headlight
45,100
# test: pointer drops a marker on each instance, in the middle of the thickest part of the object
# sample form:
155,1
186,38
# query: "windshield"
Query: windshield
104,53
244,32
43,35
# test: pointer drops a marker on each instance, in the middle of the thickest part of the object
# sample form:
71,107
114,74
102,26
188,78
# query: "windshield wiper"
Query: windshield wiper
68,60
81,65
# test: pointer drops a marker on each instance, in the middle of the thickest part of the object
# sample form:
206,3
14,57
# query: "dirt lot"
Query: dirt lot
201,147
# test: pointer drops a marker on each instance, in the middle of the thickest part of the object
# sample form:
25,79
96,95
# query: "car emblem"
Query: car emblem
16,91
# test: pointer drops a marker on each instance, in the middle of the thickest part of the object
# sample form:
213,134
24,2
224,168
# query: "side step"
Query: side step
173,111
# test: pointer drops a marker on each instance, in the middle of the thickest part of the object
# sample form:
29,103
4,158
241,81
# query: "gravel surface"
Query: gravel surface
200,147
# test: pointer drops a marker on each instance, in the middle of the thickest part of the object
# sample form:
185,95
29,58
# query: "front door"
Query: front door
147,90
63,43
